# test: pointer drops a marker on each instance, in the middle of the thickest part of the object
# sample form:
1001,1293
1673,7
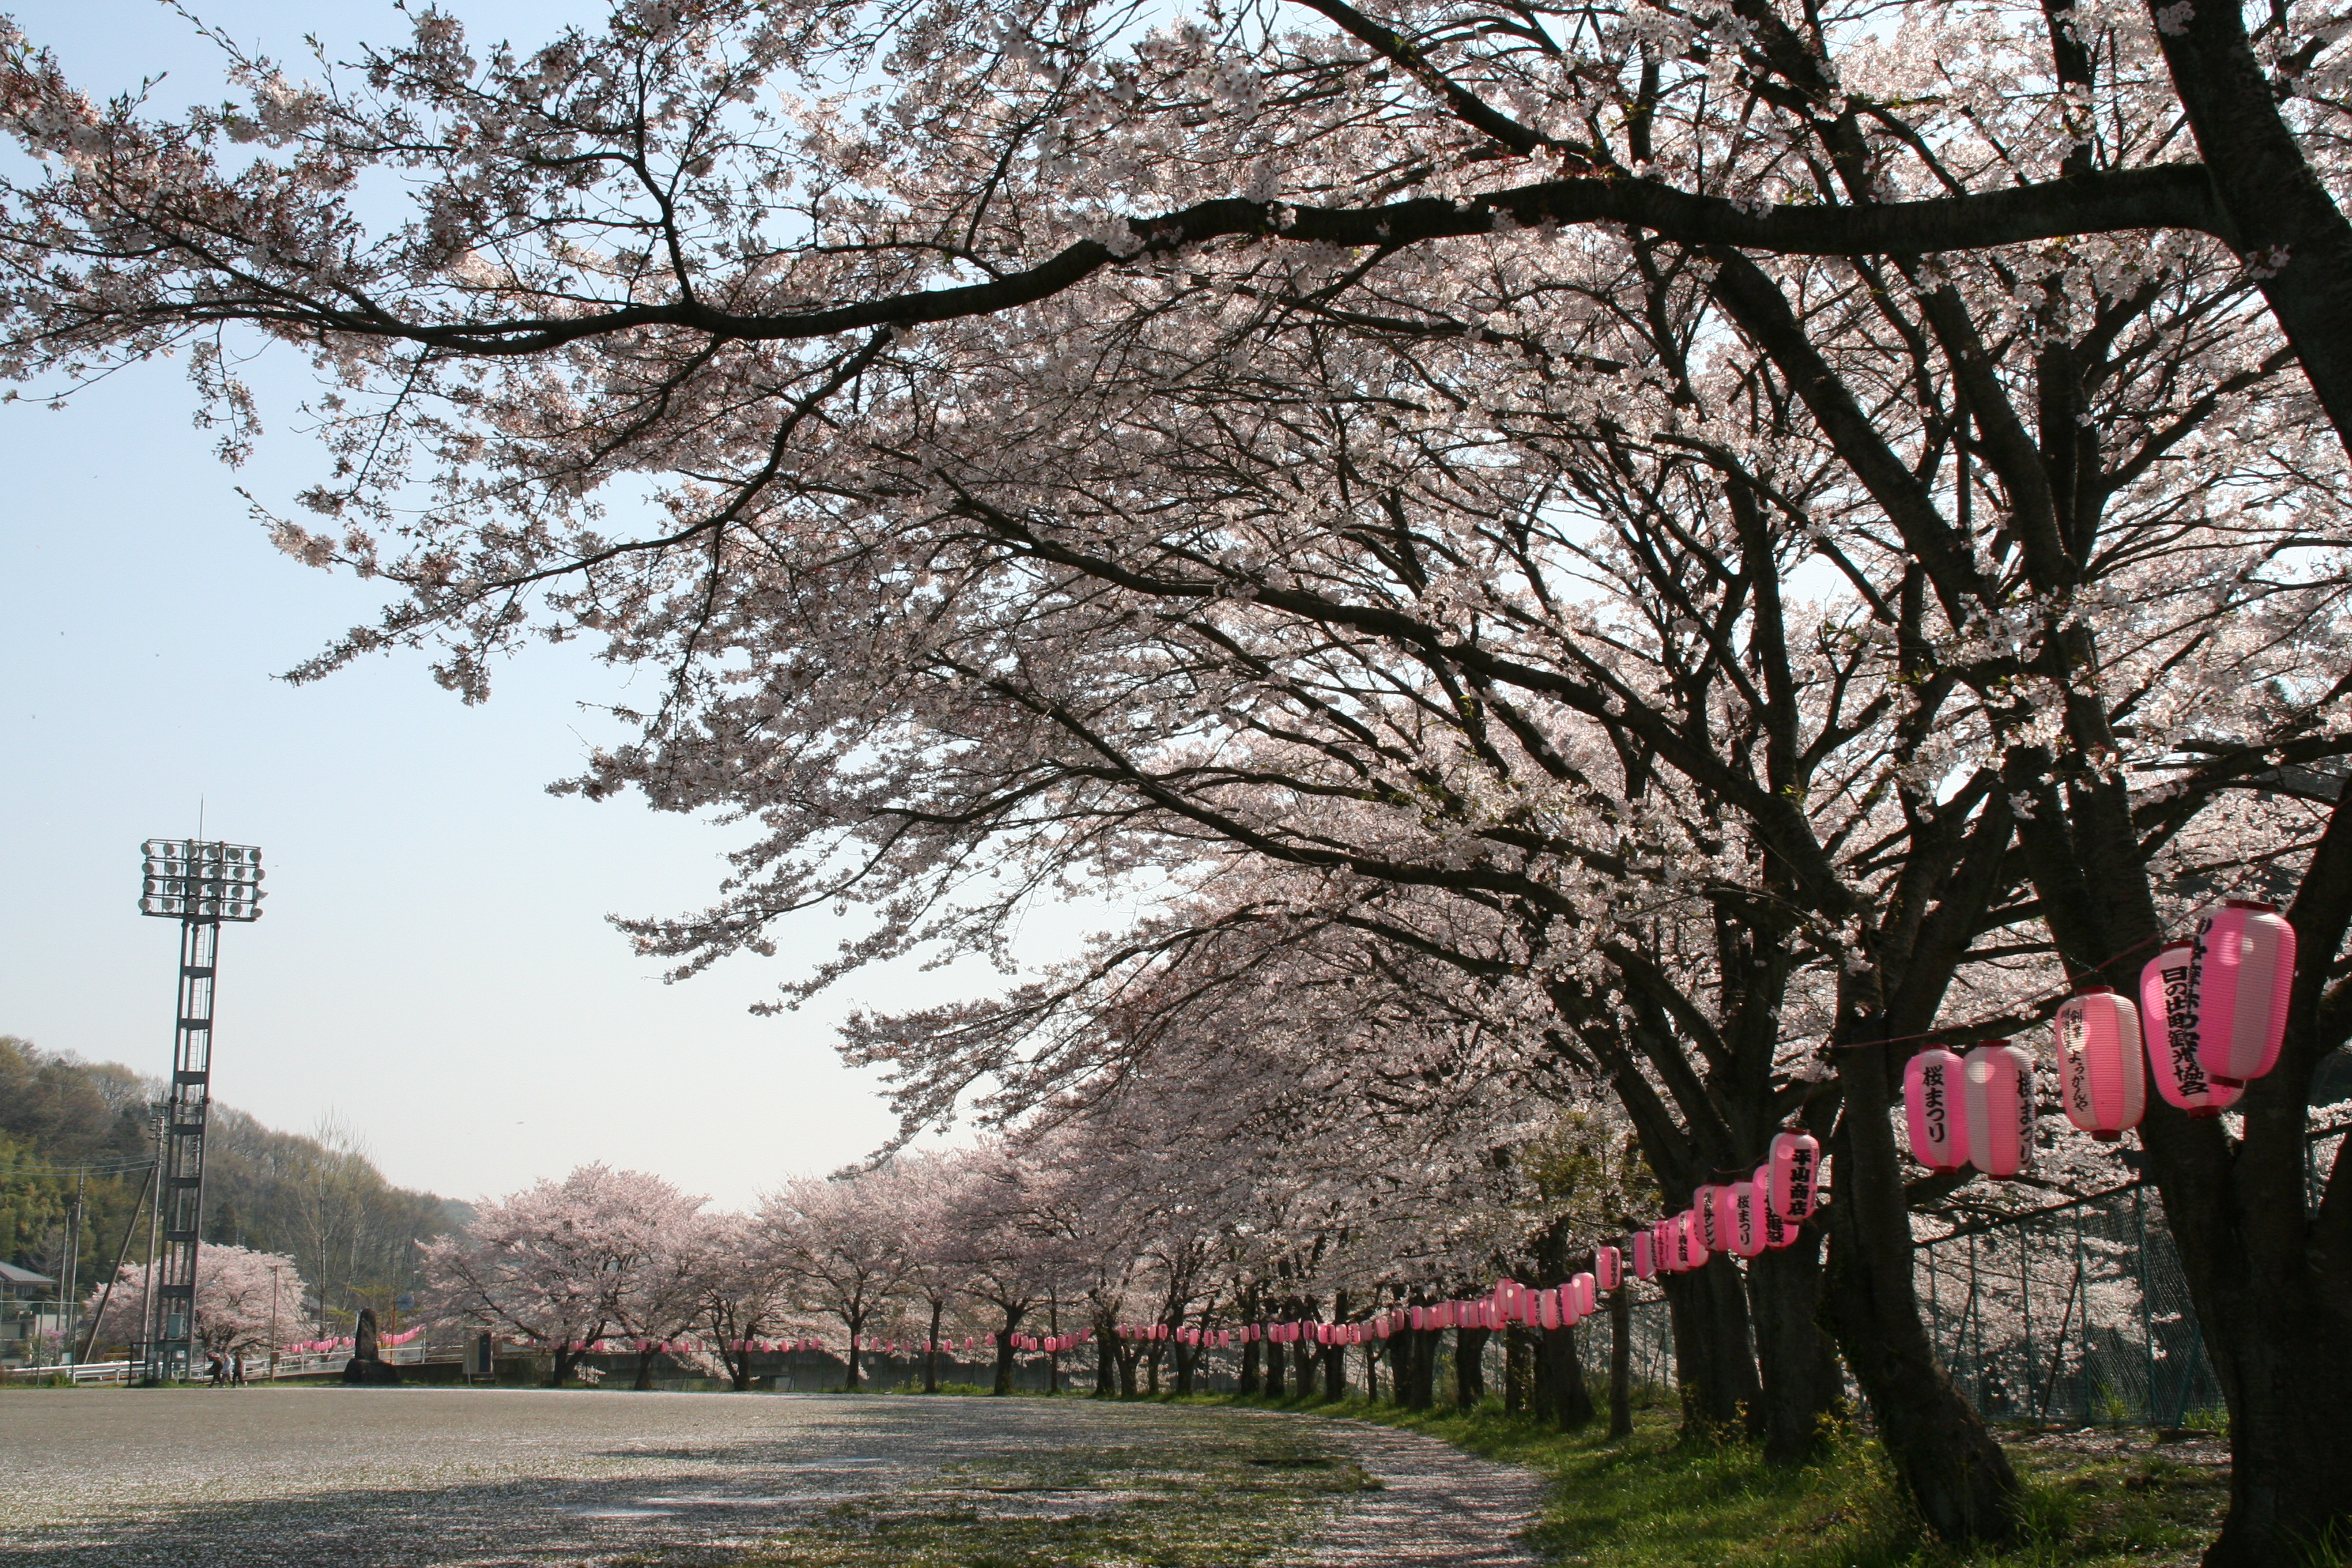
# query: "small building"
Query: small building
32,1319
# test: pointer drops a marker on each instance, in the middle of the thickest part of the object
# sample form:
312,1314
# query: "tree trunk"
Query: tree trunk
1420,1369
1803,1386
1958,1476
2281,1368
1519,1385
1249,1379
1334,1372
1566,1399
1184,1355
1273,1369
1469,1366
645,1381
1302,1369
1621,1361
849,1383
1714,1360
1127,1359
1004,1384
931,1349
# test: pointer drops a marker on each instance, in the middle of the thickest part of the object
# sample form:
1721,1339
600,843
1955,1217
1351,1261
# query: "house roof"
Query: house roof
12,1275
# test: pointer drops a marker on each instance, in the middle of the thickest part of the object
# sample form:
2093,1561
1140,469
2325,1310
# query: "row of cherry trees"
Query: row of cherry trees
1633,560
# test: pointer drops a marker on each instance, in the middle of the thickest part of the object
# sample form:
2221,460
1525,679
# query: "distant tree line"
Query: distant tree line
316,1197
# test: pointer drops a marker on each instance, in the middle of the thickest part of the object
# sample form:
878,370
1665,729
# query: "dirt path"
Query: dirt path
1438,1506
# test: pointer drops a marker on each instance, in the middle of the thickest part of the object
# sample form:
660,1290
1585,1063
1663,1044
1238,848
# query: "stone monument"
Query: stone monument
367,1364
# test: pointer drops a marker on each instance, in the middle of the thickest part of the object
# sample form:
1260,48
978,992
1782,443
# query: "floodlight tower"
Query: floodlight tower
199,883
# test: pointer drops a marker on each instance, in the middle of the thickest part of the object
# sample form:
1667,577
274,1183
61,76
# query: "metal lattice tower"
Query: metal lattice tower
199,883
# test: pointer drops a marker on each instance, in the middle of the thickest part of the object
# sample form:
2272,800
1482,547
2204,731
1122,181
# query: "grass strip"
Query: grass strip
2101,1497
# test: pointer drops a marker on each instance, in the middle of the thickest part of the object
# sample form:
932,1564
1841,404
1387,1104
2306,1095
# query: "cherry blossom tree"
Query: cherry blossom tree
741,1292
243,1296
669,1288
841,1244
561,1263
1007,1226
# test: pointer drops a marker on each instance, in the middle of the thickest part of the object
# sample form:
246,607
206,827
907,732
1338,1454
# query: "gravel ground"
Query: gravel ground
473,1478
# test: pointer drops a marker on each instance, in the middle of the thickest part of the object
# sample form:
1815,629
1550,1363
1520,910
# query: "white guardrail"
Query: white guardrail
257,1368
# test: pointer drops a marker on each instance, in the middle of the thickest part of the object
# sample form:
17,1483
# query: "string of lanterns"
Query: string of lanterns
1745,1217
2210,1018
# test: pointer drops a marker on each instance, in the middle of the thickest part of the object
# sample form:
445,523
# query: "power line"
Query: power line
95,1167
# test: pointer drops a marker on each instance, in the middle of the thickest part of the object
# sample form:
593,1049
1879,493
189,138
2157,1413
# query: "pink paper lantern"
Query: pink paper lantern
1778,1232
1645,1262
1710,1225
1608,1267
1695,1247
1795,1162
2245,969
1586,1296
1937,1110
2168,1021
1748,1206
1548,1309
2102,1078
1999,1078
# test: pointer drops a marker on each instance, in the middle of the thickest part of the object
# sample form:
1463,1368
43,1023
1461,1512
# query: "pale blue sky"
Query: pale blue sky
435,963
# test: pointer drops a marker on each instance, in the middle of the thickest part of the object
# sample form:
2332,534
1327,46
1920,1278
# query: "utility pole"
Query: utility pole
199,882
158,1122
69,1316
276,1288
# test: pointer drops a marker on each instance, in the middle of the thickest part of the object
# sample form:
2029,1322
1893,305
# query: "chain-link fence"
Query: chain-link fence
2079,1311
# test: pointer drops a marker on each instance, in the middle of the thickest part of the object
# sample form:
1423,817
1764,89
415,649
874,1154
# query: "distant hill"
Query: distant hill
317,1197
